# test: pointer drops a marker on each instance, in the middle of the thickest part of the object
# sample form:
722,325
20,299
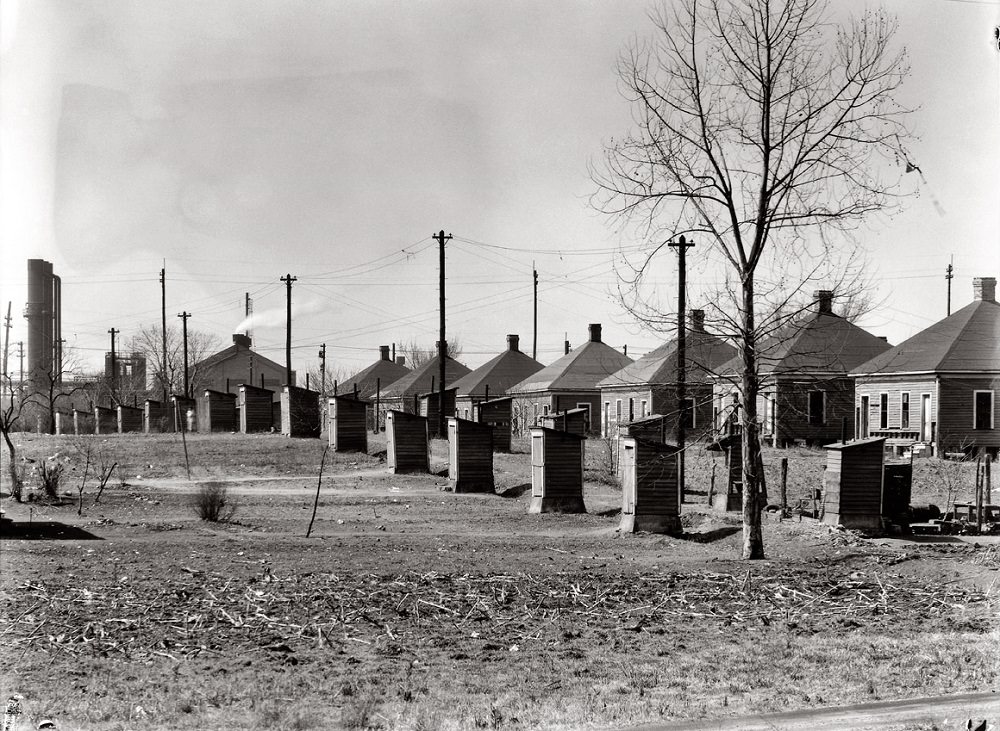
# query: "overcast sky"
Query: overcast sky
240,141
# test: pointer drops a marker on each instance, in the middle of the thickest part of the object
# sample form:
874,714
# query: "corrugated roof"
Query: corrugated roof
383,373
821,343
499,373
968,340
705,354
419,380
579,370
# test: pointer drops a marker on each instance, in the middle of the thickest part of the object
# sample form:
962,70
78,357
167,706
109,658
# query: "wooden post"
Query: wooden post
979,493
988,480
711,485
378,398
784,486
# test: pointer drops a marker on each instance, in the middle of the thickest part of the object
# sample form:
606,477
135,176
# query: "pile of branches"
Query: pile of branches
197,612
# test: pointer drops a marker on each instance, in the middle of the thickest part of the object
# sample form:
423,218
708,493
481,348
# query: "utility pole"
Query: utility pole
163,328
184,318
20,353
949,276
322,368
443,347
114,368
682,245
6,340
288,279
534,317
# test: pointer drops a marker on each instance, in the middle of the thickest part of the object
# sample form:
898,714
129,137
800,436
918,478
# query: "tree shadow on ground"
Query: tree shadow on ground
45,530
710,536
515,490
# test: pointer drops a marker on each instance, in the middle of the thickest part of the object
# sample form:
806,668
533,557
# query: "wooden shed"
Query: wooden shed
470,456
130,419
156,417
407,444
650,492
255,409
897,488
83,422
556,471
217,411
651,428
182,406
348,427
428,407
300,412
105,420
852,484
497,413
572,420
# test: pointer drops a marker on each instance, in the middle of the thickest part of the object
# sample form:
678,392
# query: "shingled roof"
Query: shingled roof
821,343
382,373
579,370
500,373
420,379
705,353
241,347
968,340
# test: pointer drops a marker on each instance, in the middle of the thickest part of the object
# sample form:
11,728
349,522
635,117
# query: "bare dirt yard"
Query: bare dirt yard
411,607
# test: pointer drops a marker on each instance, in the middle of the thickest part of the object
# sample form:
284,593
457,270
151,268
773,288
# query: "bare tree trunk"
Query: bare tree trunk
753,539
16,483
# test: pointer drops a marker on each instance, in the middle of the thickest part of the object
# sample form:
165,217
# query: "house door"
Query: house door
537,465
925,417
863,416
628,479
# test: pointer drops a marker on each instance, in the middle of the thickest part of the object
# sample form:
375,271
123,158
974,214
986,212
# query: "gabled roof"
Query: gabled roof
382,373
420,379
579,370
968,340
233,351
499,374
821,343
705,354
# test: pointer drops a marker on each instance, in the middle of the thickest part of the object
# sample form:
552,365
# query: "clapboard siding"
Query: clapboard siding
573,421
348,430
557,471
498,414
428,407
852,484
791,420
217,411
407,444
660,399
129,419
300,412
470,456
256,409
894,387
156,417
956,430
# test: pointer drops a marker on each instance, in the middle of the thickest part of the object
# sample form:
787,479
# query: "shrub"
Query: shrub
212,503
49,471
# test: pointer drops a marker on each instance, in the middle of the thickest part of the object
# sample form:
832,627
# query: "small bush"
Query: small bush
50,472
213,503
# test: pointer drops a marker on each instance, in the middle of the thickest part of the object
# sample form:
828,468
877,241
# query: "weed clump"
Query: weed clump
213,504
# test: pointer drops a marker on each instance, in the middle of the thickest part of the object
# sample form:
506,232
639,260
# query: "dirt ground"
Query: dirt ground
412,607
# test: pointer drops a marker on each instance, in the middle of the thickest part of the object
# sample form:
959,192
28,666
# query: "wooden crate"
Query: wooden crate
650,494
300,412
348,428
470,456
852,484
129,419
556,471
407,443
255,409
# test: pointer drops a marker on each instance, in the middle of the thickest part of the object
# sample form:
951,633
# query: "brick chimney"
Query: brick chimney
242,340
985,289
513,342
442,348
824,300
696,321
595,332
401,360
383,351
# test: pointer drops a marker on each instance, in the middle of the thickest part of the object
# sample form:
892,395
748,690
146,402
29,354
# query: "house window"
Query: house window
883,411
642,409
817,408
586,417
534,413
983,409
618,411
904,410
607,418
545,410
687,413
631,409
863,418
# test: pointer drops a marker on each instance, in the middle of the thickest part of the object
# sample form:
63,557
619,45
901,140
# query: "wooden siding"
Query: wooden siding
574,421
407,442
470,456
556,472
300,412
852,484
955,424
897,487
894,387
255,408
105,420
792,410
217,412
83,422
348,430
428,404
650,494
130,419
156,417
661,400
499,415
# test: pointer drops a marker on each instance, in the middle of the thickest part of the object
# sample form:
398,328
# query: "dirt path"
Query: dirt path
182,485
951,710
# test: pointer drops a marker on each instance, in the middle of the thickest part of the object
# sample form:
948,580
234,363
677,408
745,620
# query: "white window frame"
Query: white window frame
691,410
607,418
906,410
618,411
643,405
883,414
975,394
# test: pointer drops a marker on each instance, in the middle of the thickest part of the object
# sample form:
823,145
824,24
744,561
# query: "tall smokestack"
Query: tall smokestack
43,320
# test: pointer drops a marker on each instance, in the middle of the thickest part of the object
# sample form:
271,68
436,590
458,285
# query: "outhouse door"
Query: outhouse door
537,465
628,479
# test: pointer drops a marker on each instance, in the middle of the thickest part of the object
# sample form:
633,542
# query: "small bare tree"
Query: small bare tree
417,354
167,375
762,127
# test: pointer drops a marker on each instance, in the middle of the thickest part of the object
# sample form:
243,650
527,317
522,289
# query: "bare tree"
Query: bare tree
417,355
167,376
763,128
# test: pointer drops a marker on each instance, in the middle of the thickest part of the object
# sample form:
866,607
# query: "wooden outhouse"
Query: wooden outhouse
852,484
573,421
255,409
496,413
427,406
348,427
407,444
470,456
650,492
217,411
64,422
652,429
556,471
83,422
129,419
184,413
897,488
156,417
105,420
300,412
